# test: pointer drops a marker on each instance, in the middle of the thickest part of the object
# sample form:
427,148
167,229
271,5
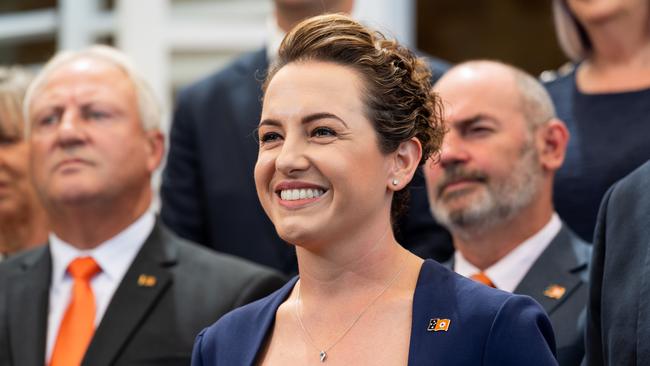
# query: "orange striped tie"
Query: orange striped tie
78,324
482,278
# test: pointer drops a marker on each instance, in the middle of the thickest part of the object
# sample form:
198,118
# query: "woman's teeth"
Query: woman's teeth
300,194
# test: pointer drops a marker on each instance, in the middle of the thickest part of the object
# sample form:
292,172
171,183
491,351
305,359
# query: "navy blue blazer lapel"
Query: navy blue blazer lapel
134,298
430,301
563,265
254,334
28,308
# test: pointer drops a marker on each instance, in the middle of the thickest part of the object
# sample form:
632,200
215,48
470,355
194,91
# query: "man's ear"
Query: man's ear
155,148
404,164
552,141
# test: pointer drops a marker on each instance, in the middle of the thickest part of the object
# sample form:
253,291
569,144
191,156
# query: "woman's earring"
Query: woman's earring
395,182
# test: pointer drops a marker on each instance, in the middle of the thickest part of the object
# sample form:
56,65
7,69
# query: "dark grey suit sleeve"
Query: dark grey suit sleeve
593,334
260,285
5,352
183,208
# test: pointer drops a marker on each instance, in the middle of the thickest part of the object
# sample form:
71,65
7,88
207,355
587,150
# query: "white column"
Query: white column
76,29
141,33
395,18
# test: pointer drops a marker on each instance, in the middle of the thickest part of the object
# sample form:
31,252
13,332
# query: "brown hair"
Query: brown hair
397,86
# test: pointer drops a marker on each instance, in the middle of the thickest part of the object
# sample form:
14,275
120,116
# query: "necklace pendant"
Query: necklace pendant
323,356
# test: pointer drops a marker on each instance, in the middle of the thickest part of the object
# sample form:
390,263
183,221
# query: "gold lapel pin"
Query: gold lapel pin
438,324
554,291
146,280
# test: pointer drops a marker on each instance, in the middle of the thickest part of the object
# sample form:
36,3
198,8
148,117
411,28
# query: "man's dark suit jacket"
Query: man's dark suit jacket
563,263
208,192
618,315
153,325
486,326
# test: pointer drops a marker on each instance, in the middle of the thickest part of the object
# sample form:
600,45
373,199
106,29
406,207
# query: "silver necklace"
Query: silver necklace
323,351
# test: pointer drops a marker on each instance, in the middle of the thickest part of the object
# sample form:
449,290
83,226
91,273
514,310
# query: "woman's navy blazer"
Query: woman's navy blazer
456,321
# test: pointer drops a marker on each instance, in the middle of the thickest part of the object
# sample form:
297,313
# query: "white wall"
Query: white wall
175,42
396,18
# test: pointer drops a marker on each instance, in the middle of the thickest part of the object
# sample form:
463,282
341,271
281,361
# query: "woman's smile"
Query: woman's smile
296,194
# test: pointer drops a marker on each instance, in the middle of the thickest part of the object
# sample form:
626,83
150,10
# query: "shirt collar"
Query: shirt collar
511,269
113,256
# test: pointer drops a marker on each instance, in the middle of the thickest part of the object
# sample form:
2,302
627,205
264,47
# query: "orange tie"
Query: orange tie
78,323
482,278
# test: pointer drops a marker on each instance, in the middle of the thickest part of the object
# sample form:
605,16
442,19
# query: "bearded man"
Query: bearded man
491,187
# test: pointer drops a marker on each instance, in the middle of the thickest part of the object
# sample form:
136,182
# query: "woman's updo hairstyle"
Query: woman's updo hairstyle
397,86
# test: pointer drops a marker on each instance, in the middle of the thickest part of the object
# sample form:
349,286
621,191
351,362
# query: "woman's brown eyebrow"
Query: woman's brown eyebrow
269,122
322,115
307,119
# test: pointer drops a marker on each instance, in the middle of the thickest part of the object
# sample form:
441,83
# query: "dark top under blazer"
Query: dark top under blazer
618,315
488,326
142,325
208,191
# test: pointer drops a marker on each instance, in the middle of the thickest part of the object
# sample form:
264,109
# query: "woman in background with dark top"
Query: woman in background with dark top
347,118
604,99
22,220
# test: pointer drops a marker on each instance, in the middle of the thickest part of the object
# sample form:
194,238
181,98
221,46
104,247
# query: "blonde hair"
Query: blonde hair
148,106
571,35
13,85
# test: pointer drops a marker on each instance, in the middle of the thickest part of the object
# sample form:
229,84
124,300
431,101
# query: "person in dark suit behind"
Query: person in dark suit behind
208,193
618,325
347,118
492,188
113,286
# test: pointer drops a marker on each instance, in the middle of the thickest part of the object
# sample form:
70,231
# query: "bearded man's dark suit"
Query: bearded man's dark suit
152,324
208,191
562,265
618,316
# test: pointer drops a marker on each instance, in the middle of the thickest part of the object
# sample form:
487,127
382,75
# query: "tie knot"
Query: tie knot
83,268
483,278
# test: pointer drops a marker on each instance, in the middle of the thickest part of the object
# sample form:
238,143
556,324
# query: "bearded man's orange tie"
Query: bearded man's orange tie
78,324
483,278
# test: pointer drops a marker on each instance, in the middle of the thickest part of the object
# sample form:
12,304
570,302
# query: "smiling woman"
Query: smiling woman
314,134
347,118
